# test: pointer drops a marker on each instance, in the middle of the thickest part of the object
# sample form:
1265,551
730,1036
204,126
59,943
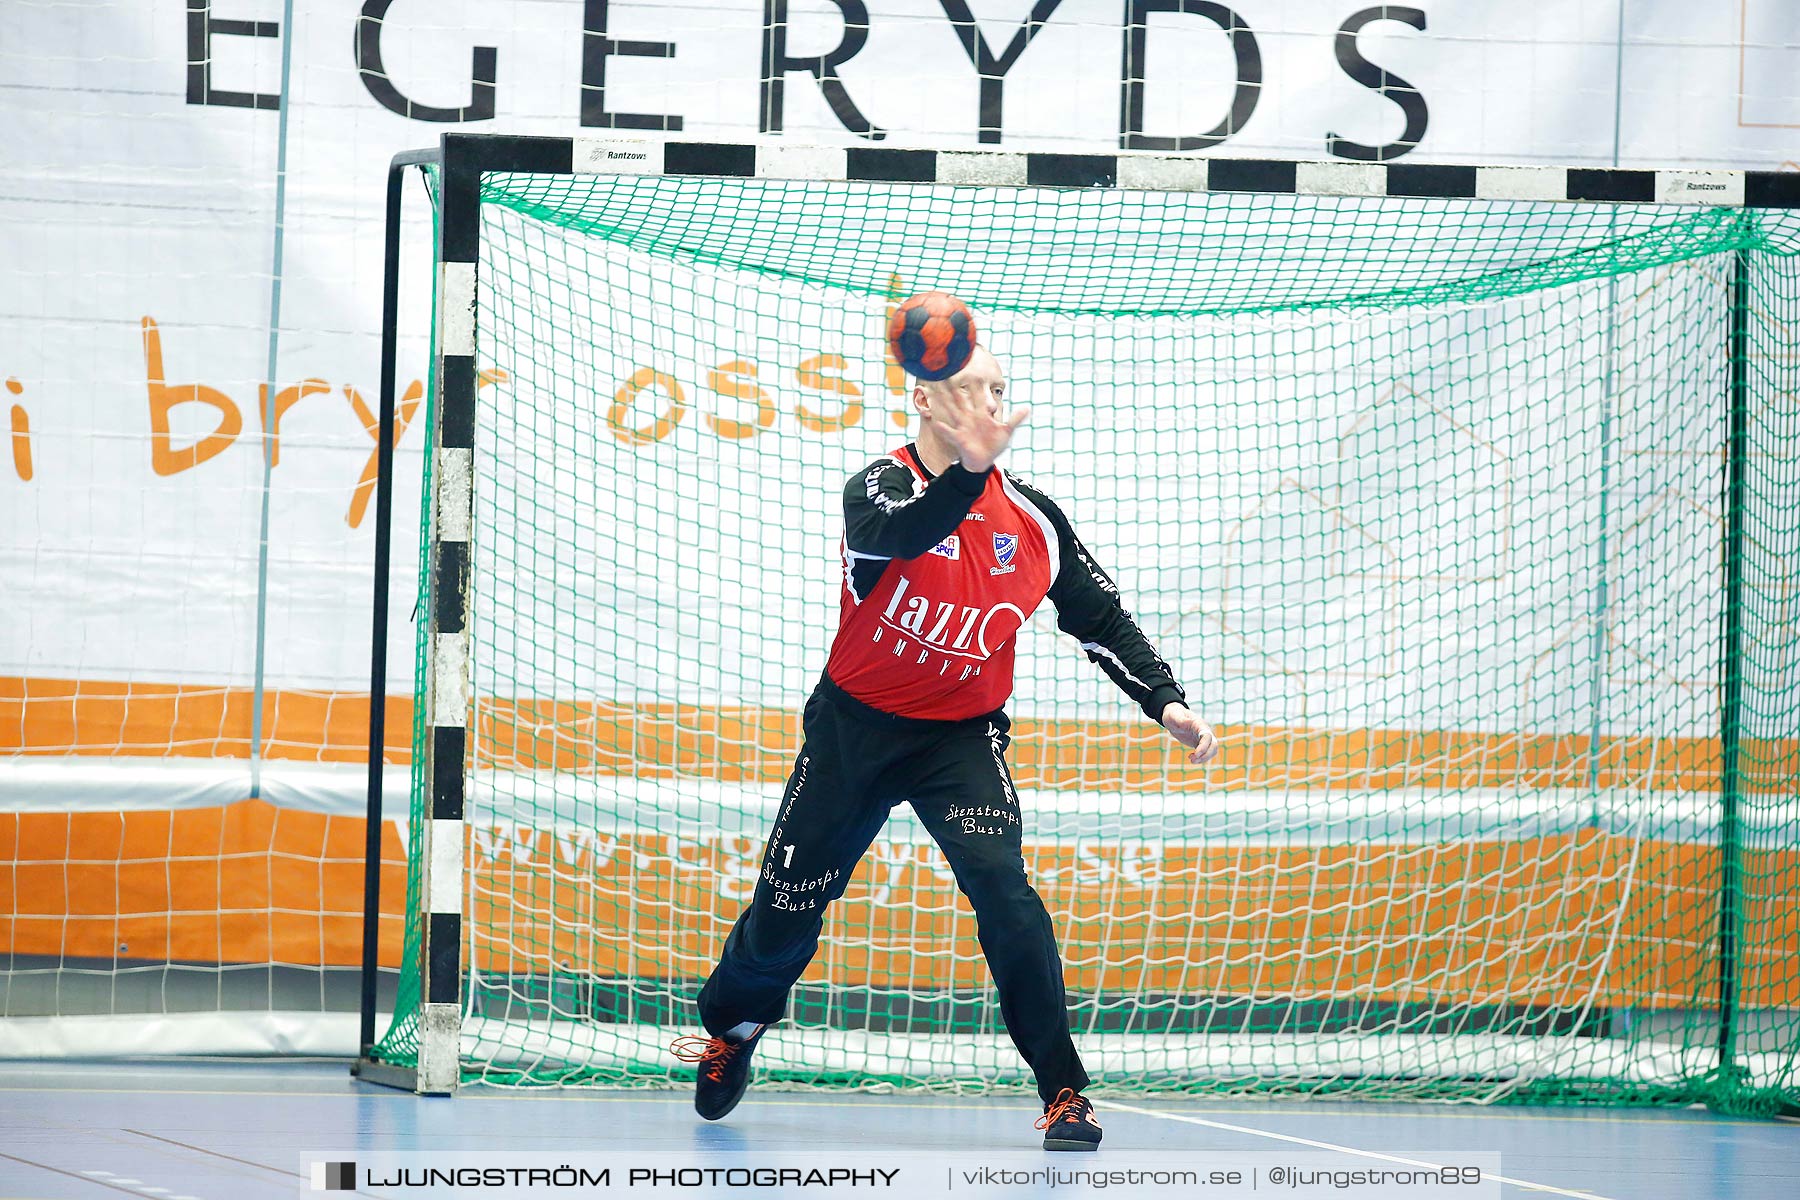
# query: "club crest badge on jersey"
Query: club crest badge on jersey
950,547
1005,546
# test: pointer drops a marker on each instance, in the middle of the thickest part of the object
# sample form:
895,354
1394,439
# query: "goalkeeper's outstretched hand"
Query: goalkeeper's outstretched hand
1190,731
978,430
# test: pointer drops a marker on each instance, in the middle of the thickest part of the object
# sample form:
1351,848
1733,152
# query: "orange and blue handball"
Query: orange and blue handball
931,335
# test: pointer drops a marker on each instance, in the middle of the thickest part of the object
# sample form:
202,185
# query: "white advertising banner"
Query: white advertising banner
192,219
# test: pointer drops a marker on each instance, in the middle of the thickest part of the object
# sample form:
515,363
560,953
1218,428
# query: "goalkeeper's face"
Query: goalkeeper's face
981,384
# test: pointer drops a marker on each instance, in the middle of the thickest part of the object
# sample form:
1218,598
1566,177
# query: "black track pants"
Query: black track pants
856,763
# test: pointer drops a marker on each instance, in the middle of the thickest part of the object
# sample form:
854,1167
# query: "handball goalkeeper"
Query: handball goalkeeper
945,557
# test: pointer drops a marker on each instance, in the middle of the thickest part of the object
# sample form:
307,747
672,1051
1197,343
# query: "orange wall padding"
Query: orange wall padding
1483,923
242,883
1519,922
178,720
39,716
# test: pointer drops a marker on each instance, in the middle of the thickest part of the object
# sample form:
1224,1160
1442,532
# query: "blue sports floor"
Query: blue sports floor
222,1130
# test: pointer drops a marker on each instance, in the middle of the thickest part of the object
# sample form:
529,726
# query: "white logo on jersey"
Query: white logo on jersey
950,547
943,626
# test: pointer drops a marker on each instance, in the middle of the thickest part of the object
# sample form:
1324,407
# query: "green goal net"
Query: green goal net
1474,527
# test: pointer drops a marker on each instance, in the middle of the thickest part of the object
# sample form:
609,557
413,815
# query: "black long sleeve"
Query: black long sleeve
885,517
1089,609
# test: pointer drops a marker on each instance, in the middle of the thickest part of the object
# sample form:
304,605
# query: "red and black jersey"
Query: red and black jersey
940,573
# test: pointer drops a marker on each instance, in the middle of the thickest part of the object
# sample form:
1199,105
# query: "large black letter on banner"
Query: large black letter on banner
375,78
777,65
1243,49
1385,82
993,70
596,48
201,28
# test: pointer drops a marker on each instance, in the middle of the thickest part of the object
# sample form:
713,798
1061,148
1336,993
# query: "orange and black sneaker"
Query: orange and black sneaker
1069,1123
724,1070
